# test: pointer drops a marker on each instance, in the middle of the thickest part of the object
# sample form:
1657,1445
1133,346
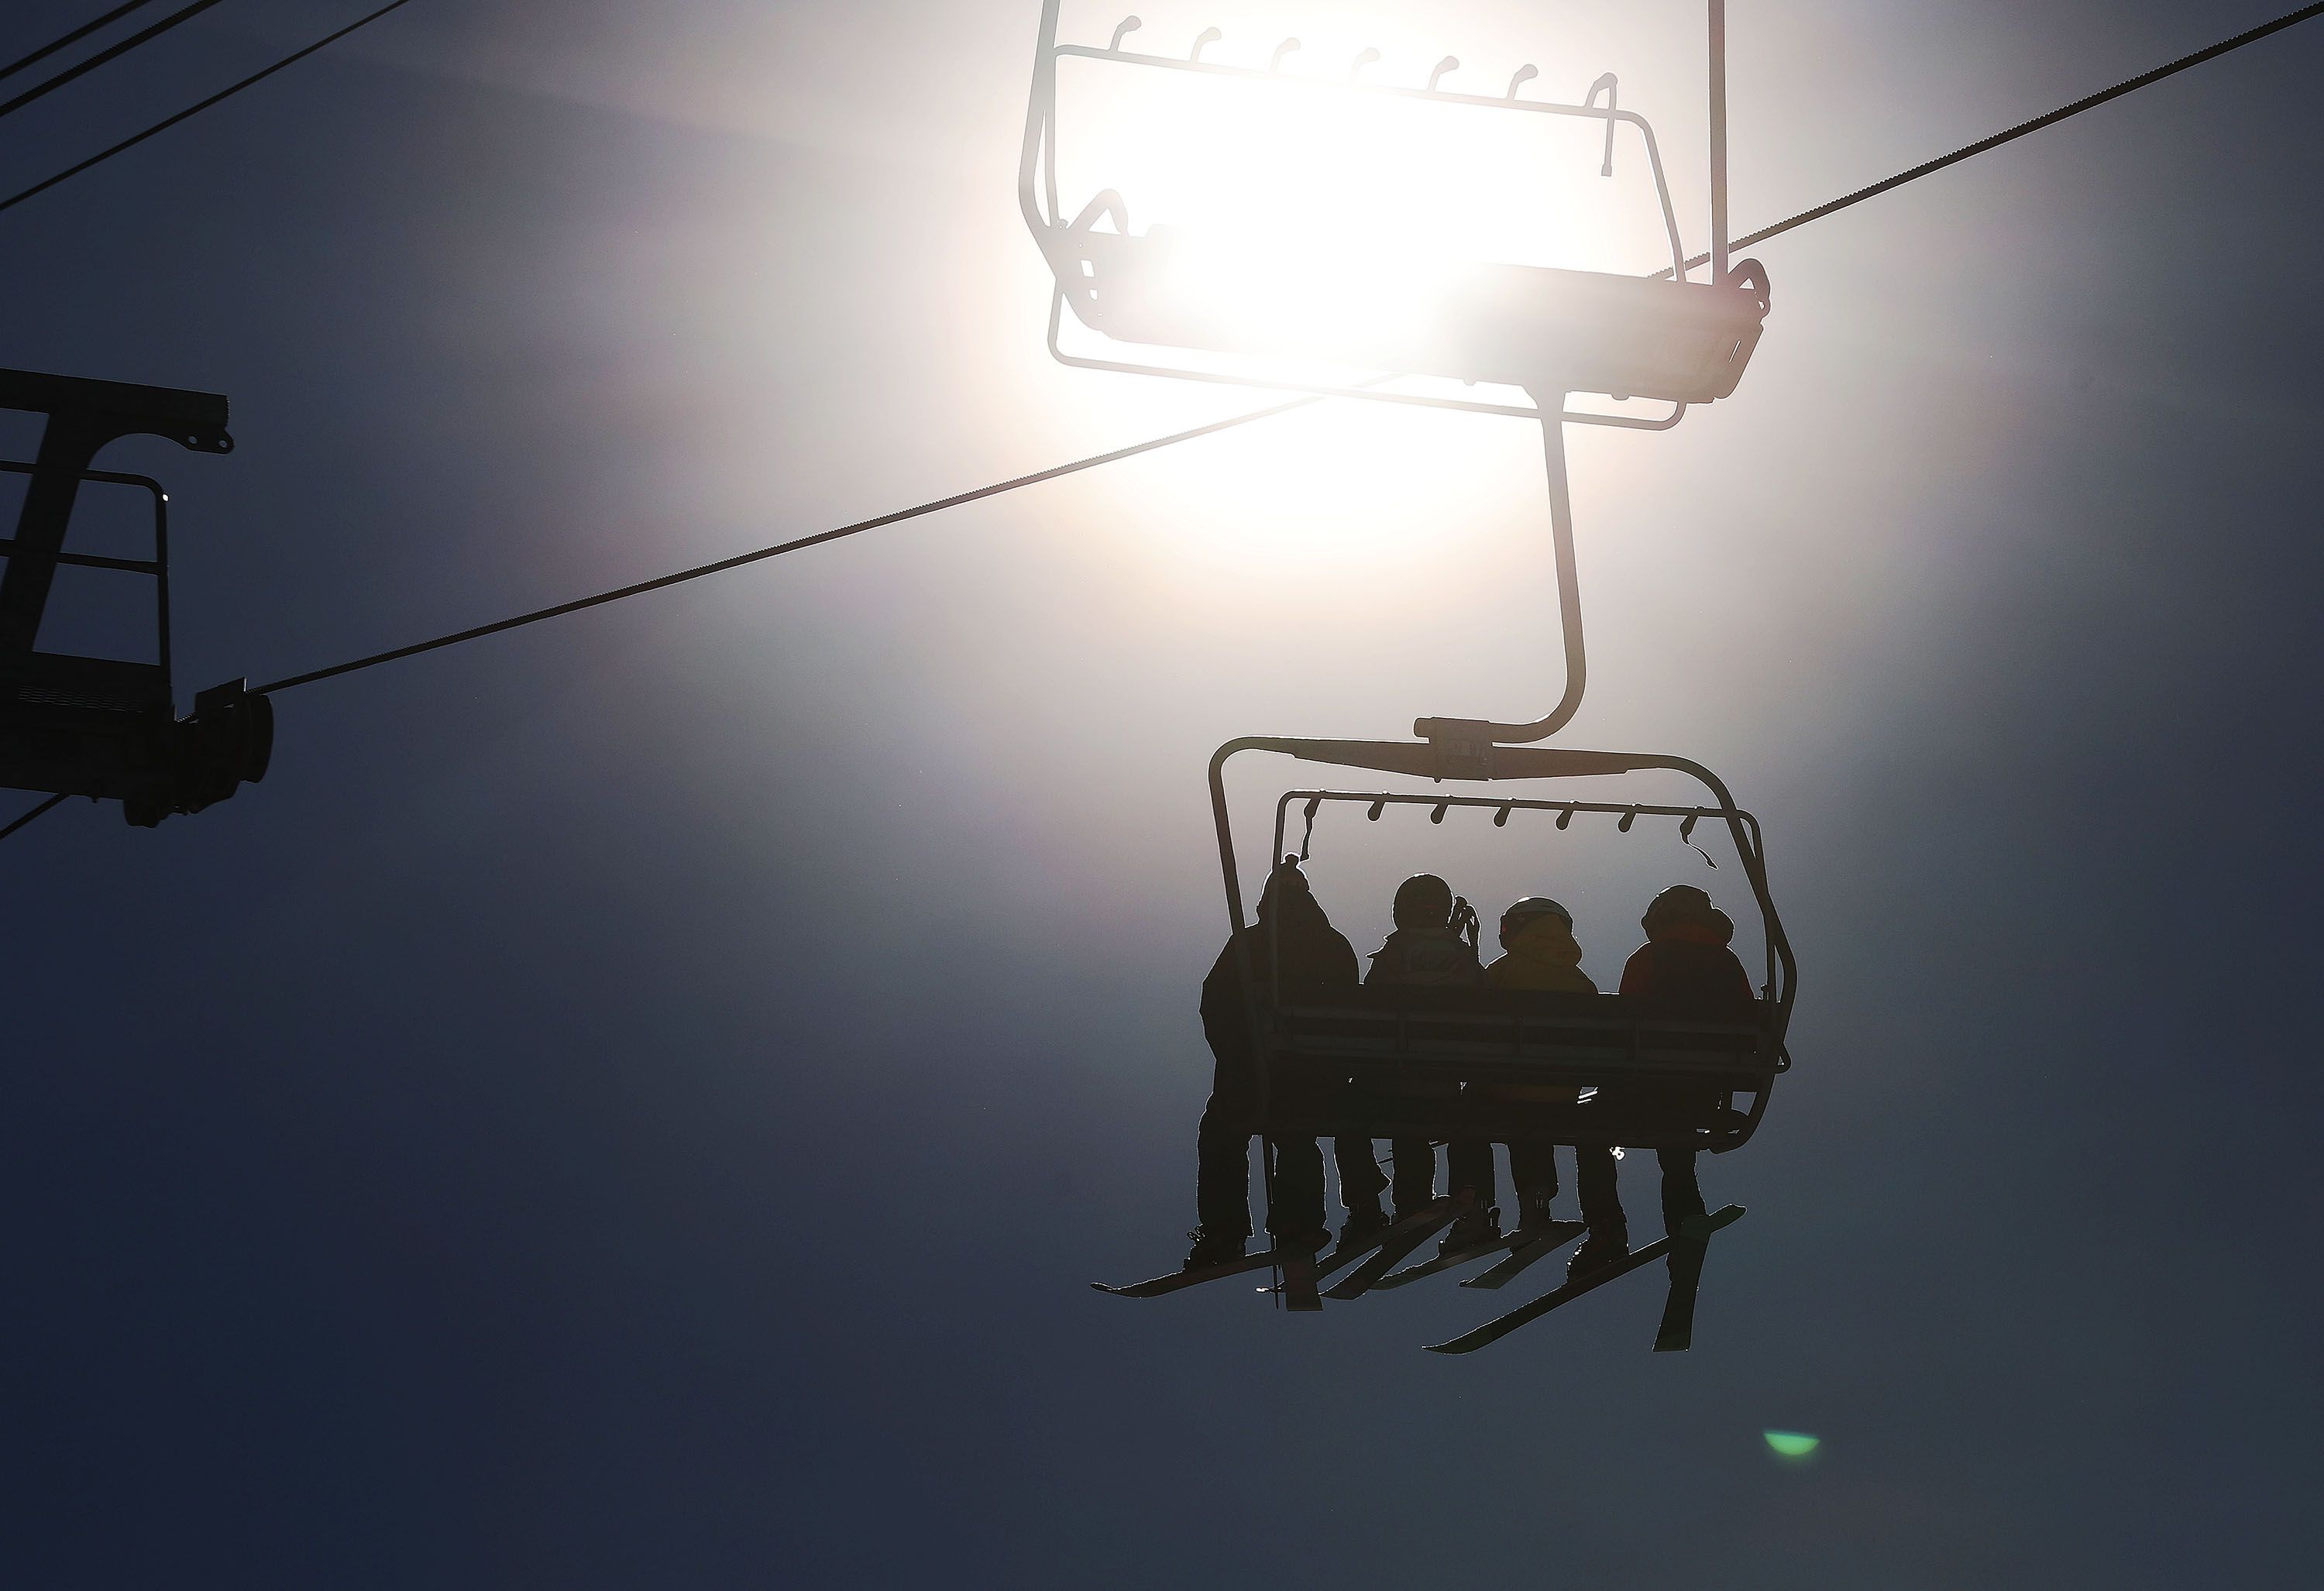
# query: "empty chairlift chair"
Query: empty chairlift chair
1549,331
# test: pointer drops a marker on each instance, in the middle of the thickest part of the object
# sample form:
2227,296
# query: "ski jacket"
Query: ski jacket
1317,961
1435,957
1543,955
1688,974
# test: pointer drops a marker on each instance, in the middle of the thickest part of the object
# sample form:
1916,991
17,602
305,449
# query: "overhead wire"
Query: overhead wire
74,37
2010,136
761,555
166,123
81,68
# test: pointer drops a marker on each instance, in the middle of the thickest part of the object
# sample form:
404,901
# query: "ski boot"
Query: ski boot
1603,1246
1213,1248
1533,1210
1469,1231
1364,1223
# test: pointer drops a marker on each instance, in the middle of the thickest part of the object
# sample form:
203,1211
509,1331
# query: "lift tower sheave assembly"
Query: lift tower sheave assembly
107,727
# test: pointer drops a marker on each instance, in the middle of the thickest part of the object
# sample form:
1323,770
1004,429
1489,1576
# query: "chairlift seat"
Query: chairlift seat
85,726
1544,329
89,685
1438,1062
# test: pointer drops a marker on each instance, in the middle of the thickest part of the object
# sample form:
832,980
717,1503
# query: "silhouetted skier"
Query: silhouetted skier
1683,972
1541,953
1427,950
1318,964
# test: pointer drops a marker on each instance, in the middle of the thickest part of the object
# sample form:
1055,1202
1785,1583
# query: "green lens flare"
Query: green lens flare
1793,1444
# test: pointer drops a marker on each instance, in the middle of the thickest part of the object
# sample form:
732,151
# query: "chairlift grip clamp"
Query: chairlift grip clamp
1463,747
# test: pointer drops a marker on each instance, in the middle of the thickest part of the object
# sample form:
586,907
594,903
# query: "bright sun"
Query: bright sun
1312,229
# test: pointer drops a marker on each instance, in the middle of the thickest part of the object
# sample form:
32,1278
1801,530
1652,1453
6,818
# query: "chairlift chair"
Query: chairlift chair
106,727
1658,1083
1551,332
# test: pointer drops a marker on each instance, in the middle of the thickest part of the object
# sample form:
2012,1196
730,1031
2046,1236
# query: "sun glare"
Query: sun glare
1315,224
1318,166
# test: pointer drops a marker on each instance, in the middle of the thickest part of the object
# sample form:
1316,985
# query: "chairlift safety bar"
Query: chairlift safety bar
1508,804
1749,844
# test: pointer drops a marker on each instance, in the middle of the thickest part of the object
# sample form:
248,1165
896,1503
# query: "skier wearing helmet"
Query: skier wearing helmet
1434,944
1685,972
1539,950
1539,953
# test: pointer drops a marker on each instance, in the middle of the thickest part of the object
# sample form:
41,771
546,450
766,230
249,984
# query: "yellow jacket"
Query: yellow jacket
1543,955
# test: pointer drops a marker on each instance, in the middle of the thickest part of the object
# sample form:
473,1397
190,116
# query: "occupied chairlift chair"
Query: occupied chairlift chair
1321,1065
1554,334
103,727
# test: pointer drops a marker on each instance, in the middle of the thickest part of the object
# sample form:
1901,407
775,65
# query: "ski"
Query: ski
1348,1252
1493,1330
1531,1246
1299,1280
1345,1254
1397,1241
1156,1286
1447,1262
1676,1335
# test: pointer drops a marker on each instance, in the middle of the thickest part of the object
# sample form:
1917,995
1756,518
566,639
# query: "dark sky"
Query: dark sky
637,1102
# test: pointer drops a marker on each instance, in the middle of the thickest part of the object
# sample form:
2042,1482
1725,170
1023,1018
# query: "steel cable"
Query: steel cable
81,68
74,37
166,123
2090,102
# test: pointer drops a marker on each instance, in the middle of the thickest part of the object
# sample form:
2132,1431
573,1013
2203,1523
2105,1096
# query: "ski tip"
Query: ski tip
1699,1228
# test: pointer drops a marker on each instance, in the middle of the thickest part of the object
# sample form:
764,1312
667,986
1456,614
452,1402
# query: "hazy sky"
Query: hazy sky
636,1102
